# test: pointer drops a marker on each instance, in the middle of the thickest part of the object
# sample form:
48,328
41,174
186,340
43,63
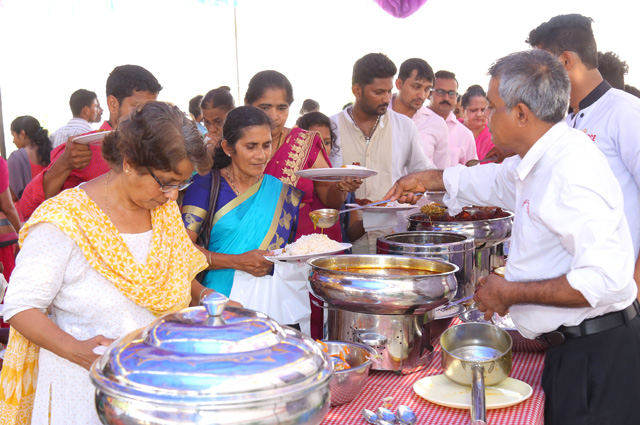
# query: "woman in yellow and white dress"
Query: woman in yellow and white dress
104,258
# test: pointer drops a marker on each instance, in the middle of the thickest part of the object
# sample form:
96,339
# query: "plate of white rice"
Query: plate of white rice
308,246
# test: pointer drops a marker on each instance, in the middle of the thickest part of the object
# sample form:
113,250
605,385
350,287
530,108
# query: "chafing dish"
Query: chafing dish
213,366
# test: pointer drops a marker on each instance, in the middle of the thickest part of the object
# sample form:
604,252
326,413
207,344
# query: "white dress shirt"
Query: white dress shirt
433,135
569,220
74,127
462,144
612,122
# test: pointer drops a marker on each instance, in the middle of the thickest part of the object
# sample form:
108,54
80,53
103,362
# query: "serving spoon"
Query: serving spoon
327,217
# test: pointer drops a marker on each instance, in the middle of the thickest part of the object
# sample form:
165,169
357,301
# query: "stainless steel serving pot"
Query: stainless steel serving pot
456,248
218,366
489,237
371,301
376,283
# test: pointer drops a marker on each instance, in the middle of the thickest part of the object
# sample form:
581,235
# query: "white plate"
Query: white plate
279,257
440,390
92,138
335,174
386,208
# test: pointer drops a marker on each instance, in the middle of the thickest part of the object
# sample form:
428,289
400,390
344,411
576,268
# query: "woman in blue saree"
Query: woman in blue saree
236,213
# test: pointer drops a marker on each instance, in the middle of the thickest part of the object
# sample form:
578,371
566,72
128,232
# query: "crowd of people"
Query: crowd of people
170,207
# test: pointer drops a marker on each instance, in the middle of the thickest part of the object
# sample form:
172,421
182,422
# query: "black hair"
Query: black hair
218,98
124,80
264,80
156,135
473,91
425,72
194,106
318,118
79,99
612,69
237,121
308,106
37,135
447,75
632,90
371,66
571,33
347,105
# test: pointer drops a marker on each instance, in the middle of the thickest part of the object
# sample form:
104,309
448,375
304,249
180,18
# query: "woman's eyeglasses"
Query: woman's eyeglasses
169,187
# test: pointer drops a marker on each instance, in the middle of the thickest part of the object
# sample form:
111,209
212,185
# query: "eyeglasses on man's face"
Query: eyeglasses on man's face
169,187
441,93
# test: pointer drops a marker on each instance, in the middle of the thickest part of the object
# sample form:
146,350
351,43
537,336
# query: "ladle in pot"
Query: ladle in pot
476,354
327,217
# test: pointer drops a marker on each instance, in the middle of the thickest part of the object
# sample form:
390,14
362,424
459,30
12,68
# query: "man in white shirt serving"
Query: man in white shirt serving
569,275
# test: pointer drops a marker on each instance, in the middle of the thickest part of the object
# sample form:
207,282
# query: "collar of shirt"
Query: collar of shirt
452,118
592,97
348,115
539,148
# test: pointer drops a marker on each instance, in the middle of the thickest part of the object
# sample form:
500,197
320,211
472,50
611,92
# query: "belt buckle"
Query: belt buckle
554,338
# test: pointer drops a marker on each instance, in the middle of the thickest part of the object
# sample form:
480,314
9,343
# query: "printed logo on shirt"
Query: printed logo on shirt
591,136
526,204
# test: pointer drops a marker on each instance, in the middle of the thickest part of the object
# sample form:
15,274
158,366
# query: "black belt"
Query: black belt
593,326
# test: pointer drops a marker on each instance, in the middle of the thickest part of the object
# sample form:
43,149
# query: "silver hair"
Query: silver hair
535,78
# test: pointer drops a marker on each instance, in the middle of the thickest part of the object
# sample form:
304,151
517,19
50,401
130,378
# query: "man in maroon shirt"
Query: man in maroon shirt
128,87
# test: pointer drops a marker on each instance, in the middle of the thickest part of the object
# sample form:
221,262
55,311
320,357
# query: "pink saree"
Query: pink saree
299,151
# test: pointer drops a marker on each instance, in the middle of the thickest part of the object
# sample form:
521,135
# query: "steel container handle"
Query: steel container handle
478,405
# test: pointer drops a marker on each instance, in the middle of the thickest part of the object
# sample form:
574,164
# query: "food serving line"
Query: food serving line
386,388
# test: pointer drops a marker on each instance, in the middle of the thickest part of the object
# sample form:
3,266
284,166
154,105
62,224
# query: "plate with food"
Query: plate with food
336,174
308,246
440,390
388,207
92,138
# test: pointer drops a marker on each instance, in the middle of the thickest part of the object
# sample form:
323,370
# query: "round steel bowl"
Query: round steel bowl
486,233
347,384
348,282
520,343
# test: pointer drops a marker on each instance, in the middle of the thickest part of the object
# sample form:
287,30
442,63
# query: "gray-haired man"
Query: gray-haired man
570,271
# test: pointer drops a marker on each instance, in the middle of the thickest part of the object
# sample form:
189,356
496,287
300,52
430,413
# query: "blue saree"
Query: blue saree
260,218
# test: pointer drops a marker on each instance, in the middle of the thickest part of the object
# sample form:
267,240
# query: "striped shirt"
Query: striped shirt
74,127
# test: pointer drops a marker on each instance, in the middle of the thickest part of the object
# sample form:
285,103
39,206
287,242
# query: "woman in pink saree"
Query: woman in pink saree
296,149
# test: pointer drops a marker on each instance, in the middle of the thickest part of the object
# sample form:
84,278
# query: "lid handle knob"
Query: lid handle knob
214,303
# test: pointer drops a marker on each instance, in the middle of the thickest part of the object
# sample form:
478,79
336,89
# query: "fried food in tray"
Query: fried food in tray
437,213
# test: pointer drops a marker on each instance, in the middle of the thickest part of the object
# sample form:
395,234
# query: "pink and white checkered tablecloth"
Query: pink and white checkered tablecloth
526,367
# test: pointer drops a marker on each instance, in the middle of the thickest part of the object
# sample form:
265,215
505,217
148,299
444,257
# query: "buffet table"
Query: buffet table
382,385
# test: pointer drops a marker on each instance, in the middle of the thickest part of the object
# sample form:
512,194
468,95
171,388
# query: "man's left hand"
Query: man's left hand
489,296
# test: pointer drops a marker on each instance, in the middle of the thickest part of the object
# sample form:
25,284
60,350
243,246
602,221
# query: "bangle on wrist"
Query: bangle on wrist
209,257
201,293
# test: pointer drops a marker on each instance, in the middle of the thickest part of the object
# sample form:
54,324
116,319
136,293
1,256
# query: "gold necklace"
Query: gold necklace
231,182
233,186
375,126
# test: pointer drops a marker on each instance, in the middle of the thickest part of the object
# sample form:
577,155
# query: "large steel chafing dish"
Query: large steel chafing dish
372,302
216,366
456,248
489,237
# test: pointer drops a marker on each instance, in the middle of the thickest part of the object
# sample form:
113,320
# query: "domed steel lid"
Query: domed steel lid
211,355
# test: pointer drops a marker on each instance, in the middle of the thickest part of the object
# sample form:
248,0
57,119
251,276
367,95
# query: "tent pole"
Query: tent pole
235,25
